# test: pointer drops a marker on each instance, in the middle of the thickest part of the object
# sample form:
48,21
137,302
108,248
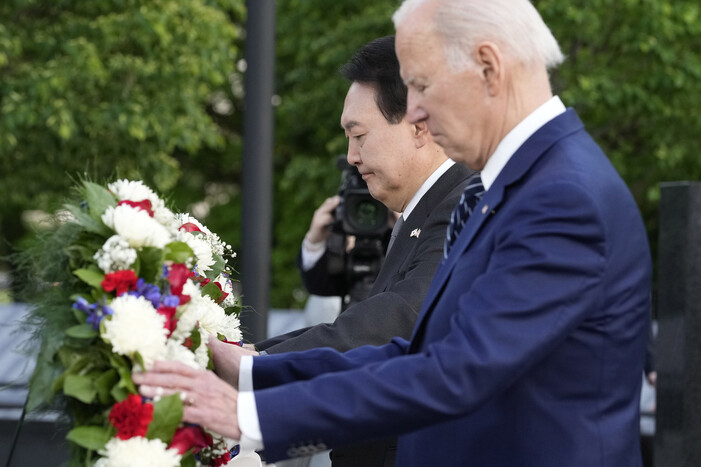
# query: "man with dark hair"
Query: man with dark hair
408,173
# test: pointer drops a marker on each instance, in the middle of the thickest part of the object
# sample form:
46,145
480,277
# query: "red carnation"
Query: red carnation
190,437
131,417
144,205
171,320
121,281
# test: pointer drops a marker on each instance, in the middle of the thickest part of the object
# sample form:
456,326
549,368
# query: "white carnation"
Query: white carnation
136,226
134,190
179,353
202,250
211,317
138,452
136,326
115,255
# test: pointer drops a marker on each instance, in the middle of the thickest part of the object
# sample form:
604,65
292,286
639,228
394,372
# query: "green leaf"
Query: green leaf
81,387
104,384
167,414
90,437
196,339
217,267
151,263
82,331
92,277
84,219
212,291
178,252
98,198
188,460
119,393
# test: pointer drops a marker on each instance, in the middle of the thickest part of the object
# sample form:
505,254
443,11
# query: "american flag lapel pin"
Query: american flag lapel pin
415,233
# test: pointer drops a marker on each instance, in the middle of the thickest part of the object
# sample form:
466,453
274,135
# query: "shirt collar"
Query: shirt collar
443,168
516,137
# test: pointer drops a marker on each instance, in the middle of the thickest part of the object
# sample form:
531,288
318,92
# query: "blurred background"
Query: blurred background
154,90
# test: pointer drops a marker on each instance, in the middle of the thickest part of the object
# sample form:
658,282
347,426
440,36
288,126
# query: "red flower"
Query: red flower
190,227
171,320
121,281
131,417
144,205
179,274
221,460
190,437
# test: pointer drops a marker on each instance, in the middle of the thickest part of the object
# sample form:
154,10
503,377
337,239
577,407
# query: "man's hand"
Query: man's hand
319,229
207,400
227,359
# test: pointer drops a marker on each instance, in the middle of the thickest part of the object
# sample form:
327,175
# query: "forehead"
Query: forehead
419,48
360,106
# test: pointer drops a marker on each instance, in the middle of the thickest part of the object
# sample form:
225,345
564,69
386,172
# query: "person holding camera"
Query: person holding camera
409,173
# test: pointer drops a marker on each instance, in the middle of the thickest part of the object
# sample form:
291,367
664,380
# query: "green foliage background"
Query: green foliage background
122,86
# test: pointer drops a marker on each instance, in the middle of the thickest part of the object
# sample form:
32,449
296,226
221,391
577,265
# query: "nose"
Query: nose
414,111
353,156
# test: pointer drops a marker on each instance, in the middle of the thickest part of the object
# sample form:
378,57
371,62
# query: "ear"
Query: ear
490,62
421,135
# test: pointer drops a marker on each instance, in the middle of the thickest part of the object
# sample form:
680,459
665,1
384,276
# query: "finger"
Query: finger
155,392
166,380
168,366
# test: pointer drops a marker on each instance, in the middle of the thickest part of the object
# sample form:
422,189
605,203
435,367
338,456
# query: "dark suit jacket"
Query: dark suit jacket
530,344
396,296
394,301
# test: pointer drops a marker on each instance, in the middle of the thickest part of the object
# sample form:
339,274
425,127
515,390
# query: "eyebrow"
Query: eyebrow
349,125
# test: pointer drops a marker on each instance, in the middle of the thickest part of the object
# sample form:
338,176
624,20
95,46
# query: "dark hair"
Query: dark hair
376,65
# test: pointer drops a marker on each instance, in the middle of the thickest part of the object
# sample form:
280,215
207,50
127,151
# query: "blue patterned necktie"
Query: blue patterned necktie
469,199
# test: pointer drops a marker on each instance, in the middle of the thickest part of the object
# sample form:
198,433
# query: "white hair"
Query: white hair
514,25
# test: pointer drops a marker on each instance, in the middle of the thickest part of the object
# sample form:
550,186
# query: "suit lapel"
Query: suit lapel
517,167
405,242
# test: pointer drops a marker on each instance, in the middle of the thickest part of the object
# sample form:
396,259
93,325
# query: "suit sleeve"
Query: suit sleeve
543,277
392,312
318,281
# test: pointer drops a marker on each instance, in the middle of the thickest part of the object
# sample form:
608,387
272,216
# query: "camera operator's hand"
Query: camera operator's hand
320,228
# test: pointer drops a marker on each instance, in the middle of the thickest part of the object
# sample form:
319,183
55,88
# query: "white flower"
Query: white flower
115,255
216,244
185,218
134,190
179,353
136,226
136,326
211,317
201,248
138,452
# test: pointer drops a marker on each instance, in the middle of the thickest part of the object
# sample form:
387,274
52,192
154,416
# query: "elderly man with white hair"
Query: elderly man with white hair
530,343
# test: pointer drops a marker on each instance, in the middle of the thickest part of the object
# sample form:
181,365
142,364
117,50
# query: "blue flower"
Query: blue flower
95,312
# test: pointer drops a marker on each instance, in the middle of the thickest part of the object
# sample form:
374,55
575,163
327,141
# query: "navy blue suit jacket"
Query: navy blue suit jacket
530,344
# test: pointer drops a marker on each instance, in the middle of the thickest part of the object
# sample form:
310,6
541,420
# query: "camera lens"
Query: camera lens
365,214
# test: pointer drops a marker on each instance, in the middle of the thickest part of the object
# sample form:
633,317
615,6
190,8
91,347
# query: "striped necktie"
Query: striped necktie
469,199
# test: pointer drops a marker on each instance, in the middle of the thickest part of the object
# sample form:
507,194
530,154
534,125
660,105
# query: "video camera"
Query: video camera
362,216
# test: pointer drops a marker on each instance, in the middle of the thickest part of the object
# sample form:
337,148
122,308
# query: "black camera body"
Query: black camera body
360,215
